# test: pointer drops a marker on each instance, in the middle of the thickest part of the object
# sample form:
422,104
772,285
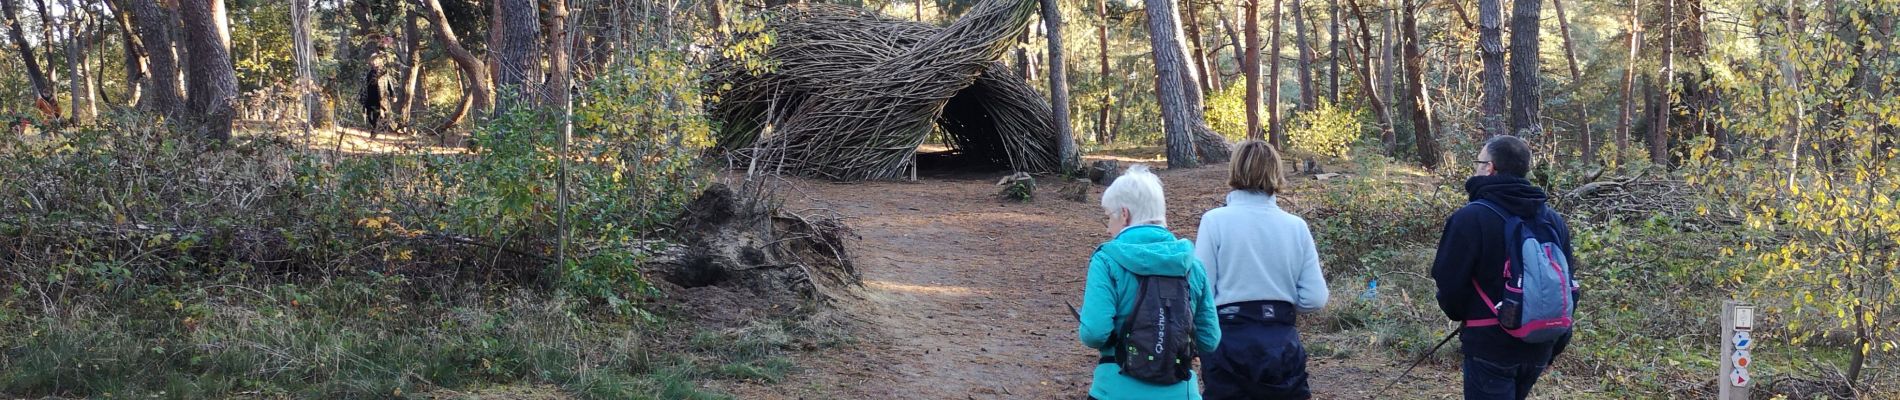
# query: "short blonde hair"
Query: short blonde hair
1256,168
1140,192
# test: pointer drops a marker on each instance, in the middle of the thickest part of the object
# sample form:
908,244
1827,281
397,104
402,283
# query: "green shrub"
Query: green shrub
1227,111
1329,130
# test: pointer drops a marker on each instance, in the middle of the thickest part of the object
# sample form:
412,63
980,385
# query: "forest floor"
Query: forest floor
964,297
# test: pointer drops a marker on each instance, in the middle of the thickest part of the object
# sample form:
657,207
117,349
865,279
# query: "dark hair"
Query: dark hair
1509,155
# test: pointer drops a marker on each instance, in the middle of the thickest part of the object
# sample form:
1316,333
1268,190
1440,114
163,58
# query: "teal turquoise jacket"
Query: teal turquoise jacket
1110,296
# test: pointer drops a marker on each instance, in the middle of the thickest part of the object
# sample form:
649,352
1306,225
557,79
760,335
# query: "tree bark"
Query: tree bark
1251,65
1197,99
559,79
1365,73
1105,133
134,48
1427,143
409,80
1172,87
1629,81
1304,66
1708,98
1586,143
1234,40
214,87
1332,52
301,53
75,57
1191,20
1526,97
1059,88
155,25
1273,83
476,87
1026,64
518,54
1491,51
1658,134
41,86
47,39
1389,74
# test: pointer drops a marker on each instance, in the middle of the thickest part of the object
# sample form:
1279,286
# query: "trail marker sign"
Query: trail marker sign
1737,320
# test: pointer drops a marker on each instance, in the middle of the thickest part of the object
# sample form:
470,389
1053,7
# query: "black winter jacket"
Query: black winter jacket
1474,247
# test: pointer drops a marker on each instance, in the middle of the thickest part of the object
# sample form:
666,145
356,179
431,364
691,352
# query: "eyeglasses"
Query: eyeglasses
1481,162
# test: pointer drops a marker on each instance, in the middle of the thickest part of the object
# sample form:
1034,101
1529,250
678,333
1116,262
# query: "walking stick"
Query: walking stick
1421,359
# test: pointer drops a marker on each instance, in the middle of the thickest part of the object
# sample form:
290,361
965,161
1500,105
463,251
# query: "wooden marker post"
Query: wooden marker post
1737,320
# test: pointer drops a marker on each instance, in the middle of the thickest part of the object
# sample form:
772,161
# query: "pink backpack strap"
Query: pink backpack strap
1472,323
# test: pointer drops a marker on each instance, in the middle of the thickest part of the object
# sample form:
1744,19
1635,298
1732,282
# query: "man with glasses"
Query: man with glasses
1471,270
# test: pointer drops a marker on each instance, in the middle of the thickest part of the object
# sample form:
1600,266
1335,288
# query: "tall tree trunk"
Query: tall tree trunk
92,31
409,79
1795,20
1658,134
301,53
1171,87
1388,74
1304,67
1708,97
155,25
1526,97
1273,83
41,85
1366,74
135,69
919,4
518,54
214,87
1105,133
476,87
1586,143
1025,63
1629,81
1204,70
1491,51
1059,88
75,57
47,39
1255,130
1197,100
1332,51
559,78
1234,39
1427,143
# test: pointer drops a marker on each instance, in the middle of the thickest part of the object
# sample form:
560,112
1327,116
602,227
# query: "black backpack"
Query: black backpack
1156,343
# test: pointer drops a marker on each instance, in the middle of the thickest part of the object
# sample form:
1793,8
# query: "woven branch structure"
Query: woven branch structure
852,94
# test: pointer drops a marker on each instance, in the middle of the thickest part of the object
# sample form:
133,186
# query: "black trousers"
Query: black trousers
1260,355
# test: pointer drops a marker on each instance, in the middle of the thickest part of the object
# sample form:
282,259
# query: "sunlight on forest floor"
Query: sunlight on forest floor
357,141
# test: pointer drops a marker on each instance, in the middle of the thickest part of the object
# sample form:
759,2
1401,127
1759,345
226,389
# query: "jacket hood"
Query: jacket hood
1516,194
1150,250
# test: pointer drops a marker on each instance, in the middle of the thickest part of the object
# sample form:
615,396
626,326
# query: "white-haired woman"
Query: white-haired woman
1265,271
1141,247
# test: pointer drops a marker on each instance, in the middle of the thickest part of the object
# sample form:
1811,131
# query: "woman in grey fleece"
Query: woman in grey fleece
1264,271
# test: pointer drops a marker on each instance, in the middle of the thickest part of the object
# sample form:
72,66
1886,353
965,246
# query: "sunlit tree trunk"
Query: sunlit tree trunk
1059,87
1491,51
1427,144
213,79
1629,81
1527,100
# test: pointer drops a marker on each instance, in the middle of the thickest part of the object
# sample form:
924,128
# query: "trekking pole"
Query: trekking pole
1421,359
